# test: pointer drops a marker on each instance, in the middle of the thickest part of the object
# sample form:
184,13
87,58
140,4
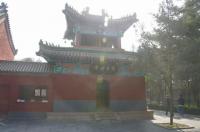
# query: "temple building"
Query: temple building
7,49
94,75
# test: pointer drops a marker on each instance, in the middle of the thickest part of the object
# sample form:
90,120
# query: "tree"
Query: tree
165,38
147,62
170,54
189,56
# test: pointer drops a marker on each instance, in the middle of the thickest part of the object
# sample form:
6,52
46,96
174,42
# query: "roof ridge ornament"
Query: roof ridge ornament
45,43
104,13
3,7
41,42
86,11
86,23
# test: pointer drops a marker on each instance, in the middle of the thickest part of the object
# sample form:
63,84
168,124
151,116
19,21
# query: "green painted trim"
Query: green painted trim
57,69
108,34
122,71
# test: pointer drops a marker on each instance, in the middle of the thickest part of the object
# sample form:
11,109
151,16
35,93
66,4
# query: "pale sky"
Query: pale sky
32,20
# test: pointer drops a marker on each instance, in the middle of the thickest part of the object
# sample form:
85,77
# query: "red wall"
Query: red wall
5,49
15,81
83,87
4,98
66,87
74,87
127,88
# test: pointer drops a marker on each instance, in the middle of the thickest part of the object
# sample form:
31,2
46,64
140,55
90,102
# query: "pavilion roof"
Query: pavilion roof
94,24
54,53
4,18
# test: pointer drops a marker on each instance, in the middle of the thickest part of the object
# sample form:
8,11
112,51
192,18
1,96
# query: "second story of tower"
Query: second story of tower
101,31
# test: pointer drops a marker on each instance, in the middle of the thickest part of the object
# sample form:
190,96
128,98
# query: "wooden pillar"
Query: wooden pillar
78,39
118,45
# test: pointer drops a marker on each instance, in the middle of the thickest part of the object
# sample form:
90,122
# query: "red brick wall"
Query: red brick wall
74,87
83,87
14,81
5,49
127,88
68,87
4,98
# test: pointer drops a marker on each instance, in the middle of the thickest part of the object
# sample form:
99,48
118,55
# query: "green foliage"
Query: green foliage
189,64
170,53
165,41
194,110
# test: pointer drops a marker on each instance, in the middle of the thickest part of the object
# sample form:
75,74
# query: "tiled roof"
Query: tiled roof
94,24
24,67
82,55
4,18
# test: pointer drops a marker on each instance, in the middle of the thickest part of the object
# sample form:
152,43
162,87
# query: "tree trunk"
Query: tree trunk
188,93
198,100
171,103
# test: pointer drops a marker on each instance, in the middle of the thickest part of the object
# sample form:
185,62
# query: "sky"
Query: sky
32,20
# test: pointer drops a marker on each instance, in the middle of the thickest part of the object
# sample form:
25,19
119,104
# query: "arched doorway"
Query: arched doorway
102,95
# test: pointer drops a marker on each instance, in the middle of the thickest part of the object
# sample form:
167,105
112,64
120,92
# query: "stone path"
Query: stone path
191,120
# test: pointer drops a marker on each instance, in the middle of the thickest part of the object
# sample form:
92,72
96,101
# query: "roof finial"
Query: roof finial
104,13
3,7
66,5
86,11
40,42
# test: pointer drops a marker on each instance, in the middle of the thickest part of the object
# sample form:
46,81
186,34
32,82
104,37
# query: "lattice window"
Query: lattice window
32,93
37,92
44,92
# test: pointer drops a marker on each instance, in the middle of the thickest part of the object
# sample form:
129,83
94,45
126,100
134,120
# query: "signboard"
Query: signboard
58,69
103,68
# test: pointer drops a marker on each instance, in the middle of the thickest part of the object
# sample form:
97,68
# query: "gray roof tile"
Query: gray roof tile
26,67
74,54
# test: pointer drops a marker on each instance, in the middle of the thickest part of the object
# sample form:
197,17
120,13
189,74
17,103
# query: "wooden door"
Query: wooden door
102,95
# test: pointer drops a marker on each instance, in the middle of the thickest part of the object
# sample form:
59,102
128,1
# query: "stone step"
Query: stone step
129,115
27,115
106,116
70,116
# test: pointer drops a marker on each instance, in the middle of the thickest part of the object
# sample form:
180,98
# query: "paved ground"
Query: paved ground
97,126
191,120
63,126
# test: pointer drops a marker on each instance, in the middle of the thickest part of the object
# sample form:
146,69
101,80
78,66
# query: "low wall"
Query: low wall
72,92
13,83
